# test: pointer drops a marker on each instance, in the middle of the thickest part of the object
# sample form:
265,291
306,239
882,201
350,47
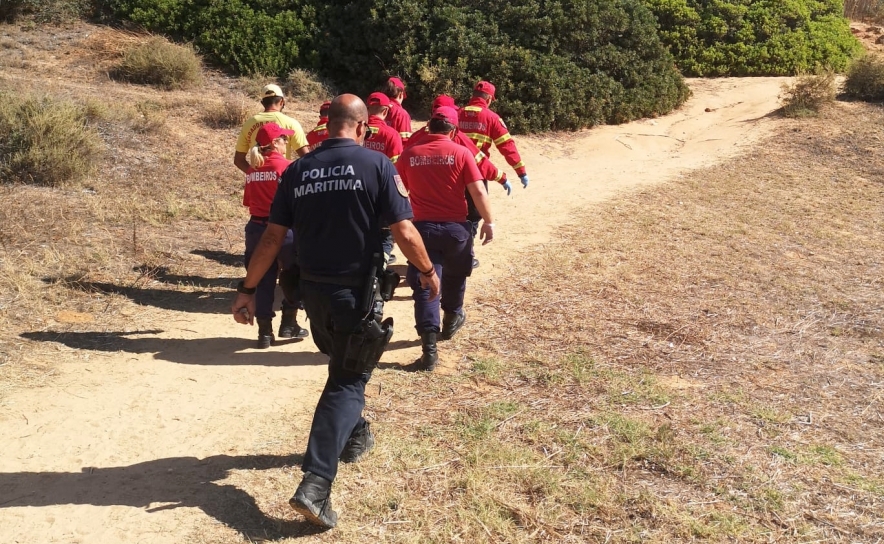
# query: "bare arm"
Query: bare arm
265,254
412,246
239,160
483,205
301,151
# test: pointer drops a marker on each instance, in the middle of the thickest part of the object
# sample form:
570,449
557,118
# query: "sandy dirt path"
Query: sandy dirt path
81,458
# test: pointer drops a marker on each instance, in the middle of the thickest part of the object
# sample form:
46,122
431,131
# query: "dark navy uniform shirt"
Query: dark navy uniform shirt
335,198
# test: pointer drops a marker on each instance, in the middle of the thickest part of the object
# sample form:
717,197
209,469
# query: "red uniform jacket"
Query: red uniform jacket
261,184
486,167
485,127
318,134
436,174
399,119
383,138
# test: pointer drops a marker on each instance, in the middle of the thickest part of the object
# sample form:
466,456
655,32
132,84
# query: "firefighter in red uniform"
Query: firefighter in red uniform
437,173
383,137
398,118
320,133
486,167
485,127
266,165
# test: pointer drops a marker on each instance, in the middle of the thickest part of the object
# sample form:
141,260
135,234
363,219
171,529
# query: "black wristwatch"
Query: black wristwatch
241,288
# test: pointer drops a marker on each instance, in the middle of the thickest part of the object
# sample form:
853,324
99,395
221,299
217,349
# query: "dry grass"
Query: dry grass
807,94
306,86
715,374
161,63
865,78
231,112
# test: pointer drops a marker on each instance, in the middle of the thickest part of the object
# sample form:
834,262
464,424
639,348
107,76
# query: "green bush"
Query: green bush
161,63
755,37
244,36
557,64
808,94
865,79
45,141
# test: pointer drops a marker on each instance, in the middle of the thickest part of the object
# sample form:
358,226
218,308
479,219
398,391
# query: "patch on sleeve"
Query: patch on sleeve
503,124
400,186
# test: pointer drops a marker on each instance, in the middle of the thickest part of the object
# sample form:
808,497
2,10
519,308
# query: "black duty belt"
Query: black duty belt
258,219
346,281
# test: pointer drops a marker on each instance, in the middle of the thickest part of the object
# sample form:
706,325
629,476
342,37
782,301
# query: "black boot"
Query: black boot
288,327
360,442
451,323
265,333
313,501
430,356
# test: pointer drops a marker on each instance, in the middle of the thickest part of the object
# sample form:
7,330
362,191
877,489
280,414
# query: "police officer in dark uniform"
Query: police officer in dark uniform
335,199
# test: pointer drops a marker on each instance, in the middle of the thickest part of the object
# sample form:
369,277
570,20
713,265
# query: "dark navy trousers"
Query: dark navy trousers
267,286
473,215
334,315
450,247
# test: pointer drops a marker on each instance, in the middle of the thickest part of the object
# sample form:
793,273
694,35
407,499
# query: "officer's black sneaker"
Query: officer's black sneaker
359,443
313,501
475,263
288,327
451,323
265,333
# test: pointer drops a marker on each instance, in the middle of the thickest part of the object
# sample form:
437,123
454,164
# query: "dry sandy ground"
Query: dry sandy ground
118,448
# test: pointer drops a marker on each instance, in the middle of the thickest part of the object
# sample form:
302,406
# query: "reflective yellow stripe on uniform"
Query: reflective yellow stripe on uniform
319,127
479,138
405,135
519,164
479,157
499,176
394,158
473,108
506,137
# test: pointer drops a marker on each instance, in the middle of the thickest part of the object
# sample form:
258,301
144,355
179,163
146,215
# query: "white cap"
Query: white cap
272,90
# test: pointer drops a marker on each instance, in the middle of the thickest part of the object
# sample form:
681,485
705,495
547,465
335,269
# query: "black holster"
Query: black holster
366,346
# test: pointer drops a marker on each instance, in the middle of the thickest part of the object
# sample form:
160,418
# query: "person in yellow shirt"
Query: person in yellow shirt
273,102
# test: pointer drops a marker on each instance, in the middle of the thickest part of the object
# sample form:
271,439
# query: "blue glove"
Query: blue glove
524,178
508,187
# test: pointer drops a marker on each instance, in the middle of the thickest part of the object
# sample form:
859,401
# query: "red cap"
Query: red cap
378,99
324,107
446,113
485,87
443,100
269,132
399,85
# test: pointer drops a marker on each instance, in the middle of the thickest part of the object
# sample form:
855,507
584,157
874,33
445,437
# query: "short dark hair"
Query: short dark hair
481,94
270,101
390,89
440,126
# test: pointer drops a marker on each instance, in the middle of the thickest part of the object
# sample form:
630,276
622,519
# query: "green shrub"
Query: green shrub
245,36
45,141
865,79
808,94
161,63
755,37
557,64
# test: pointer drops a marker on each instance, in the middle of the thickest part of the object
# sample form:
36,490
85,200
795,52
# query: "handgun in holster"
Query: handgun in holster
366,346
